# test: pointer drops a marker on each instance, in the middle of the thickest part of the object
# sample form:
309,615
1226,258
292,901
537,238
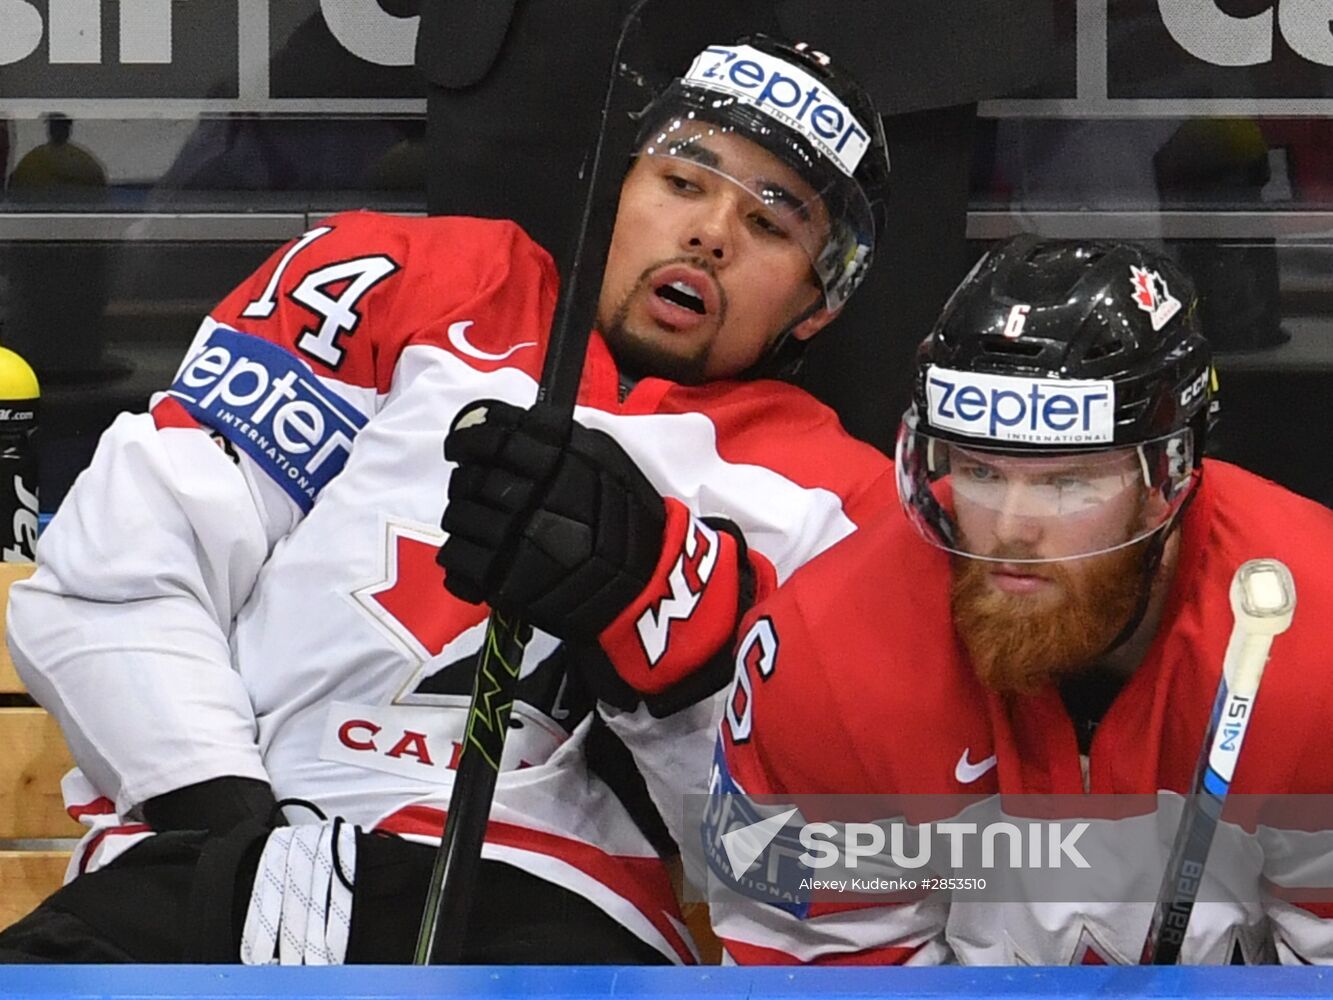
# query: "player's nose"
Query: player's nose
710,231
1016,521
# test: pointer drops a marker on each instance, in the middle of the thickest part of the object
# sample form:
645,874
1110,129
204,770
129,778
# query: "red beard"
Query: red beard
1019,643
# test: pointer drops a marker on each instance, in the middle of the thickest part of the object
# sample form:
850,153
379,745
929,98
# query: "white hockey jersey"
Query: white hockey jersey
243,582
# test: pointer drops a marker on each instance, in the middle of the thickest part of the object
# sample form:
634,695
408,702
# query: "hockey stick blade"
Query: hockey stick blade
1263,600
457,861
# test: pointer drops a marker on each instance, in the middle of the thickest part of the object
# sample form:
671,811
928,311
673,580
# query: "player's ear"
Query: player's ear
813,323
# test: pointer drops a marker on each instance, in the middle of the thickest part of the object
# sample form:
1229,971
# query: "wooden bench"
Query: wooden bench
35,831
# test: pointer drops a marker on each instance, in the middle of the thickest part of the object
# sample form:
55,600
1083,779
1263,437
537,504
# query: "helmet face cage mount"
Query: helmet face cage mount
1061,404
790,100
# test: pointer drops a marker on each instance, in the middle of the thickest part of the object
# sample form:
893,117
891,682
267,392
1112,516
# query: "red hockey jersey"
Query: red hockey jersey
851,680
244,580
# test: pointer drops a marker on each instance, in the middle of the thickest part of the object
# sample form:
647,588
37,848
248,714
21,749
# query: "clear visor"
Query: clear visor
832,225
1014,507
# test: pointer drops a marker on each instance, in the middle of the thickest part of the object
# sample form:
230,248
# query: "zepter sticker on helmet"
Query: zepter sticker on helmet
787,94
1025,410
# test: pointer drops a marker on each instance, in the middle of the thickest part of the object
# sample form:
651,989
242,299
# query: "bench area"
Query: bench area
35,832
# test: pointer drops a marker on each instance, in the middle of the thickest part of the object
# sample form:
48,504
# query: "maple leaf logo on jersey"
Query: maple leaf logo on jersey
1090,951
1153,297
438,633
410,603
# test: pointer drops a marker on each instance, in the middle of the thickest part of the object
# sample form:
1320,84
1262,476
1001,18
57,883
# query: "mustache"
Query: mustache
692,260
1016,646
1017,553
689,260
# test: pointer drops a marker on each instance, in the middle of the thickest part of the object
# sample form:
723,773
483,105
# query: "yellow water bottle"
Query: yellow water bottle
19,393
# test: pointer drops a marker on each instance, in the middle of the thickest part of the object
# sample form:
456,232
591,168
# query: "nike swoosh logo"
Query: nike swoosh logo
458,340
966,772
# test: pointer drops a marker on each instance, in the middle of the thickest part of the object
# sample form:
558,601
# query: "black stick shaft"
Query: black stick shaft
457,862
1180,885
454,875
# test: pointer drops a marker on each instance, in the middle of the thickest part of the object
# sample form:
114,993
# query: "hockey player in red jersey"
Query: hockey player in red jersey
240,601
1049,618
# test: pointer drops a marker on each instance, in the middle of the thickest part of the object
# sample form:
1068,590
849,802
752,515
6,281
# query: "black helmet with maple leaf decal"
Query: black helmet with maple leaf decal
1079,310
1060,348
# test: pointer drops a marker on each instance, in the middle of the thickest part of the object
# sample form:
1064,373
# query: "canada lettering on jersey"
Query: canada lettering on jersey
267,403
424,742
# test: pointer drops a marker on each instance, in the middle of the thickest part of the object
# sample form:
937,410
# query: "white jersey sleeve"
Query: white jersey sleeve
128,631
122,631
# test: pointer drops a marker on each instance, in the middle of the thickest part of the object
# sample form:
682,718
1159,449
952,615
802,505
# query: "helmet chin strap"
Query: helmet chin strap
1152,561
783,356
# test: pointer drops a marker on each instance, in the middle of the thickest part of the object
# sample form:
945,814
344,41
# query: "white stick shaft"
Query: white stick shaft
1247,655
1263,597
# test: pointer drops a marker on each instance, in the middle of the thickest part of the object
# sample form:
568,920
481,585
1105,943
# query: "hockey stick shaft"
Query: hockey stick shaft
1263,598
453,877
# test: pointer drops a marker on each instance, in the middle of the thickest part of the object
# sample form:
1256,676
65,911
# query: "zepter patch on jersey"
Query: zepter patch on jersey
754,850
271,406
787,94
1027,410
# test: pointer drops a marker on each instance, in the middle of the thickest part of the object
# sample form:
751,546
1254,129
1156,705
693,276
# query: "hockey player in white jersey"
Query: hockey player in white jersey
239,619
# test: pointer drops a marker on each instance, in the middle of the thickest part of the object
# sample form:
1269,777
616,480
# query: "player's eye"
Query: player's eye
767,224
1068,482
977,473
682,185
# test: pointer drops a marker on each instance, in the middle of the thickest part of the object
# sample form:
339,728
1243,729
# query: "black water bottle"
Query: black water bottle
19,394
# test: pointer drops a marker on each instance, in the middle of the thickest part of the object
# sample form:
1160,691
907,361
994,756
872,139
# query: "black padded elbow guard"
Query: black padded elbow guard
215,805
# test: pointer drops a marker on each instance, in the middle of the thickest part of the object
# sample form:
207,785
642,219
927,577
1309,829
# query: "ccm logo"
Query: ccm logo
1207,32
692,571
1192,391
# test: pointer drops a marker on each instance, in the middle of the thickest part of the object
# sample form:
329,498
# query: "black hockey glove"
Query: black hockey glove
547,520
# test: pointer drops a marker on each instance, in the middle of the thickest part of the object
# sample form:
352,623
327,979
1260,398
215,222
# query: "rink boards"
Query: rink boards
602,983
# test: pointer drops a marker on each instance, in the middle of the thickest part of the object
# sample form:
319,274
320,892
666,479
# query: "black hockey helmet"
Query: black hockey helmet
793,101
1080,309
1080,348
